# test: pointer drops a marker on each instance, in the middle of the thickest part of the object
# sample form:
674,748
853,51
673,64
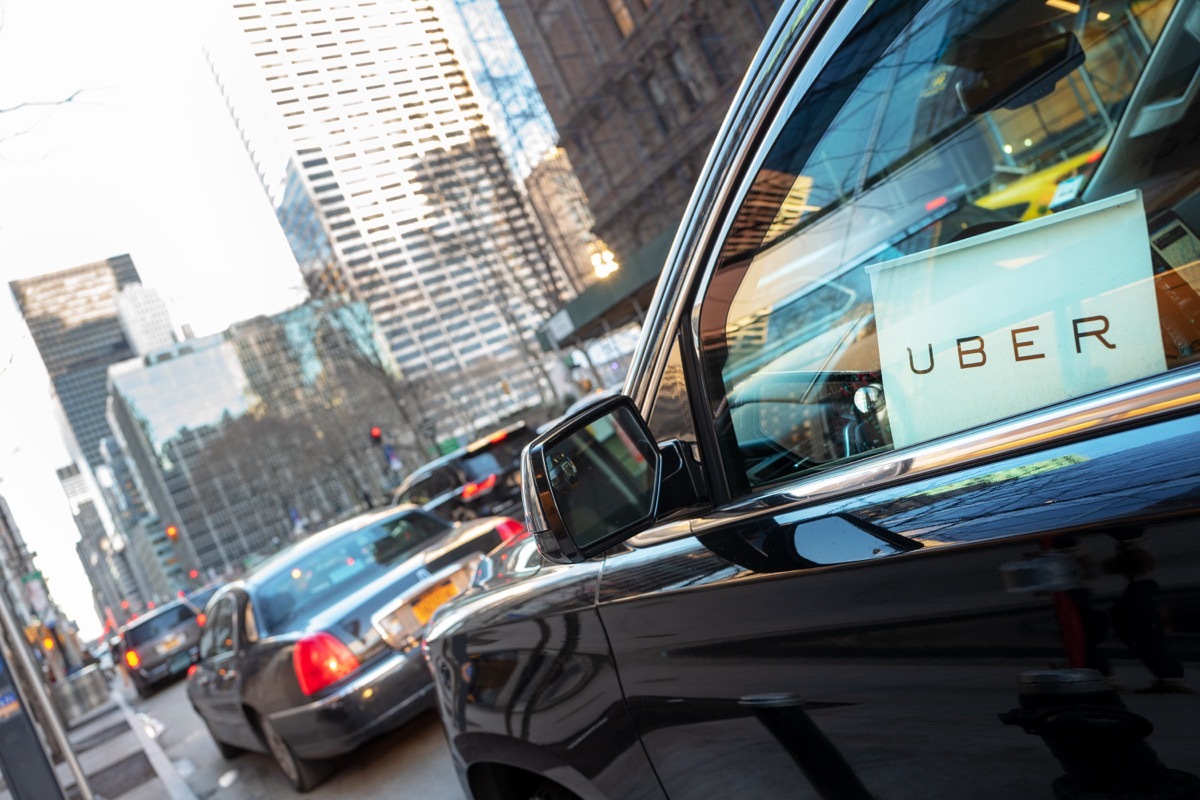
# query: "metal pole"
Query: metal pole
54,726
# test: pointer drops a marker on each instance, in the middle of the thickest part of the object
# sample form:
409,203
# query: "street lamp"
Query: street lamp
604,262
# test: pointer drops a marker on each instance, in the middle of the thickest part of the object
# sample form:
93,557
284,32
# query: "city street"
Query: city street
411,762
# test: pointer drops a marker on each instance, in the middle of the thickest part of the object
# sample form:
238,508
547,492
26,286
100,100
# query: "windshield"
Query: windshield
158,626
963,216
342,565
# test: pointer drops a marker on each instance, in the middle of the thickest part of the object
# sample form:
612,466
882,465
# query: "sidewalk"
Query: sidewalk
121,761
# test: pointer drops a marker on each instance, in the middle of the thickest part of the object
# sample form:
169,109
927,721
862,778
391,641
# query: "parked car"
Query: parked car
315,651
164,643
481,479
902,495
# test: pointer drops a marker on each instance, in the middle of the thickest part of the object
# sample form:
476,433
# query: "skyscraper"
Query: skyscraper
387,181
72,315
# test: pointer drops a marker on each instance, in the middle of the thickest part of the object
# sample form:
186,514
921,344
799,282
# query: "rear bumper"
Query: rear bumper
384,697
164,667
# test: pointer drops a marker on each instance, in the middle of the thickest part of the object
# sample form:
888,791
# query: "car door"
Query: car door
218,676
951,455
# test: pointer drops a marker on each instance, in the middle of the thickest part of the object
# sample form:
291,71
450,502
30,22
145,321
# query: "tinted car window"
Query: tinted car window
159,625
427,487
497,458
932,242
318,577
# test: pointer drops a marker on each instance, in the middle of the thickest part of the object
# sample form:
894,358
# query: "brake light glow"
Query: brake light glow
936,203
479,487
191,671
497,437
201,619
131,658
509,529
321,659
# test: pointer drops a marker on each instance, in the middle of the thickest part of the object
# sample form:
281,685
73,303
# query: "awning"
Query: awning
611,302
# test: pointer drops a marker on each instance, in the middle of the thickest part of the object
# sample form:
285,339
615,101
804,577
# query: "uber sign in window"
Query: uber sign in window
1017,318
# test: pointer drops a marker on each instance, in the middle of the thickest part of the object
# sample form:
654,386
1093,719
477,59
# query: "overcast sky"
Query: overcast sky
144,160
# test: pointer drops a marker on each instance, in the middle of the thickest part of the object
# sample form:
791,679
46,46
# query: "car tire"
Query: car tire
227,751
302,773
143,690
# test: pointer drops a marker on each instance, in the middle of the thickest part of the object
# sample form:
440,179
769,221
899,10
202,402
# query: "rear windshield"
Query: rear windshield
158,626
321,577
503,456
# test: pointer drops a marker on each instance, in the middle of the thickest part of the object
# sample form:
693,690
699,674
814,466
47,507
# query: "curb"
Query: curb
177,788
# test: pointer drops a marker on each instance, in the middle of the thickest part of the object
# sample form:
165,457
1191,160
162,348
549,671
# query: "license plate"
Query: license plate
168,644
428,603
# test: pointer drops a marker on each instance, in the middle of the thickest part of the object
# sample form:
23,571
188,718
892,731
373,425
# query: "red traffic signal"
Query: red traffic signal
377,434
194,574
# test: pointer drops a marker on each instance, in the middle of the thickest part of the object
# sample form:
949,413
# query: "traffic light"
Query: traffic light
376,435
172,532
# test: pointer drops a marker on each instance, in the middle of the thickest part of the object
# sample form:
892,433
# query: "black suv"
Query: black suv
481,479
164,643
902,499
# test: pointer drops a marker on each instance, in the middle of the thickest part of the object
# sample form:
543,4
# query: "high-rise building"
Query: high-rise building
388,182
245,439
72,315
115,585
637,90
144,318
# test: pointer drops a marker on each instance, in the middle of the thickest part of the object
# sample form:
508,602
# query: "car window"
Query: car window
946,231
218,636
671,414
498,458
436,483
319,577
153,628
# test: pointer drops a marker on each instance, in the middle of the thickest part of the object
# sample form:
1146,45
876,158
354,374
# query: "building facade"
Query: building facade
637,90
73,318
389,184
250,438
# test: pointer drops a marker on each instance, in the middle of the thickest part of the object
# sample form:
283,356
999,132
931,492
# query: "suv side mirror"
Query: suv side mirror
591,481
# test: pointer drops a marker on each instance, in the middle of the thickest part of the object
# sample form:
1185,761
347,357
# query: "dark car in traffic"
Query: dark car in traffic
316,650
902,495
163,643
481,479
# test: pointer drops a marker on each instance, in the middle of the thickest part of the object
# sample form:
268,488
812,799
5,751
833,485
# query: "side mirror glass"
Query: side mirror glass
591,481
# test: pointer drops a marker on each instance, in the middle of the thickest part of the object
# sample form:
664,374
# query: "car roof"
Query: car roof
283,560
479,444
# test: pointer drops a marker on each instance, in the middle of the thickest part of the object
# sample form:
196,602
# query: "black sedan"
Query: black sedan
317,650
902,495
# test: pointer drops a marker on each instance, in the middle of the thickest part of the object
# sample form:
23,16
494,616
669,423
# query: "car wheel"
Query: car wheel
143,690
303,774
227,751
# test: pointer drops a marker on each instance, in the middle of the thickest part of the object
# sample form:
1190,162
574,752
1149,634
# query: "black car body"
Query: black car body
903,497
481,479
316,651
163,643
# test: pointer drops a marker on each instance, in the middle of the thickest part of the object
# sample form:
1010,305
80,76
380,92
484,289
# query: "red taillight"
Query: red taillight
321,659
131,658
191,671
497,437
201,619
479,487
509,529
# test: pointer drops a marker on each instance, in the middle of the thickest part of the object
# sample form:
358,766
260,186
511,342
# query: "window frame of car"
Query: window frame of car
209,648
800,51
